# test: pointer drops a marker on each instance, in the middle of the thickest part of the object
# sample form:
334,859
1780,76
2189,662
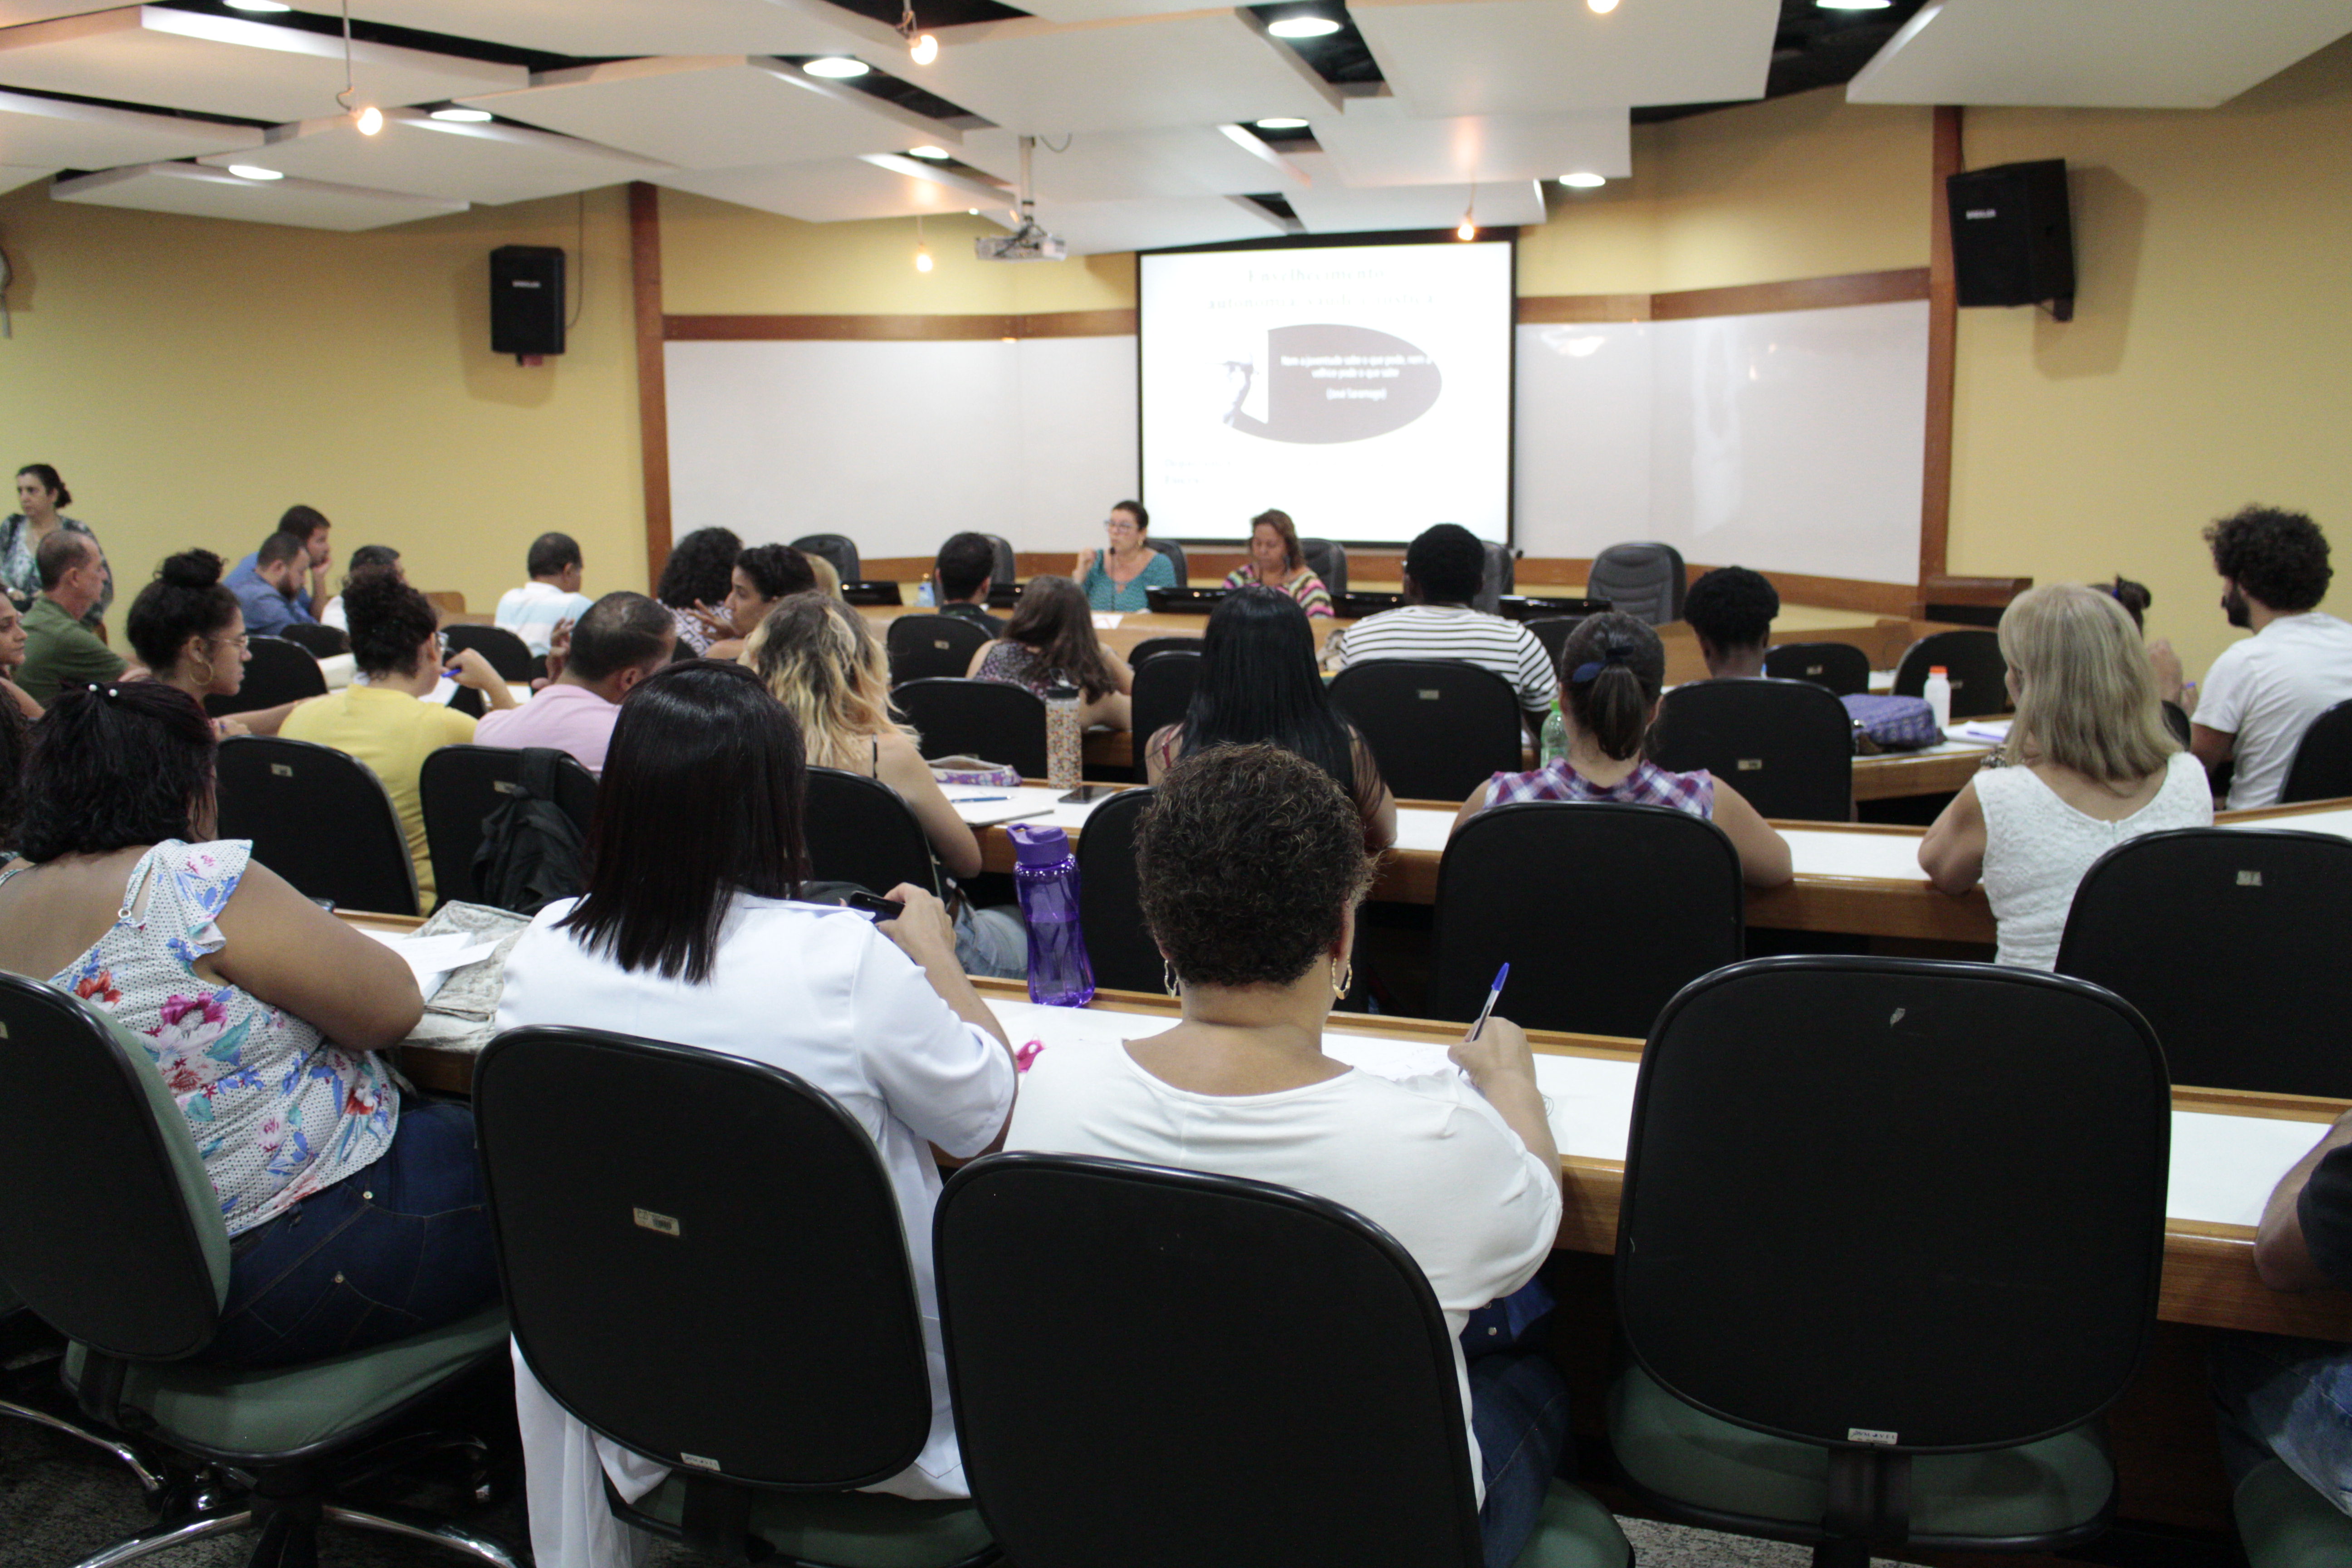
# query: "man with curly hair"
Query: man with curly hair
2262,693
1731,609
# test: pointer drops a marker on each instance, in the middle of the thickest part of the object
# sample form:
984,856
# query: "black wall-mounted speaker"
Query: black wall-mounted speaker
526,300
2012,242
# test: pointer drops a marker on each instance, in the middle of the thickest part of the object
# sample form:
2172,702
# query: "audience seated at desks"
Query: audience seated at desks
286,587
960,579
1277,561
40,495
1612,671
623,639
365,556
551,597
1051,641
1445,567
2089,765
821,660
697,575
689,933
1730,609
761,575
383,718
1120,579
1252,863
60,650
13,696
1258,683
355,1218
190,630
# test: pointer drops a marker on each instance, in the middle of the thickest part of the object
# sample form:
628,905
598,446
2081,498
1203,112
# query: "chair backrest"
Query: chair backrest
1153,647
1603,912
281,671
1175,553
1827,1170
1436,727
1971,662
1281,1431
508,654
1502,576
718,1279
2176,719
1110,906
460,785
1328,559
1787,746
837,548
1553,632
2230,941
1839,668
860,831
1645,581
1163,692
116,1238
922,646
318,641
1007,566
988,719
319,818
2321,769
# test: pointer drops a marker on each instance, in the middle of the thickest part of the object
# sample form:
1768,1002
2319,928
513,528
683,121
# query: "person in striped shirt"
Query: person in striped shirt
1277,561
1444,570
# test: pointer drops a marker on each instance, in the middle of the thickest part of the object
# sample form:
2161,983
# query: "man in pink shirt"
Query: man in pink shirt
620,640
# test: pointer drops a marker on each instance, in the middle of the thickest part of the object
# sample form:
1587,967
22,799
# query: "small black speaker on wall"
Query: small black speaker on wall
2012,242
526,300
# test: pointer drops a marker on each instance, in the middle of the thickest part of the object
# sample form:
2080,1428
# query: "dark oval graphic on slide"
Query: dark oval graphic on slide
1327,383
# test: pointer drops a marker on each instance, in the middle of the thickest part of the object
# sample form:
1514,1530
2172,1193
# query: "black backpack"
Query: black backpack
533,852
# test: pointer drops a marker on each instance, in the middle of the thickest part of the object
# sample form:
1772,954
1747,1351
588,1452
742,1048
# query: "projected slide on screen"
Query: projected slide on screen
1365,390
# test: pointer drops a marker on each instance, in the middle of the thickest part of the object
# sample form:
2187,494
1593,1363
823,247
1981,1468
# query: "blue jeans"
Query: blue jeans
391,1251
2288,1398
992,943
1519,1410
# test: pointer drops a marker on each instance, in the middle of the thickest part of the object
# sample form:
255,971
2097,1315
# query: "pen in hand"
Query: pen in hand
1493,995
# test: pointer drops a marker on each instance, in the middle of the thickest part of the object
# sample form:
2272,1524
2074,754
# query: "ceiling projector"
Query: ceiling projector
1030,242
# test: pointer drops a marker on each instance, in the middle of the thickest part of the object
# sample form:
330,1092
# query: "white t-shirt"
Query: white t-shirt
531,611
2267,689
822,993
1426,1159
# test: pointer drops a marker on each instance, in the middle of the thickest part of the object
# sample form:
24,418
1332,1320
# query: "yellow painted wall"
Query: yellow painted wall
190,378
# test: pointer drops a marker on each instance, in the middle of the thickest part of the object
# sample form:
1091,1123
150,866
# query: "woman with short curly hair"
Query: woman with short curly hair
1252,862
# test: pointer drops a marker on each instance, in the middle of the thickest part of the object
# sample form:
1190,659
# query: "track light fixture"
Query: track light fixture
921,47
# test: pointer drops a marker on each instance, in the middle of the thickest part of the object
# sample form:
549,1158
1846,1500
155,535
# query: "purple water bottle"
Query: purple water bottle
1048,876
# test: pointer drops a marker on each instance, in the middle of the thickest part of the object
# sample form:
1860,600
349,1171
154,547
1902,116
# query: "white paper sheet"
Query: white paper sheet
2223,1167
433,958
980,804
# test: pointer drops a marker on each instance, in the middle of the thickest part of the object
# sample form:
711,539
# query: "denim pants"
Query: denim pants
391,1251
2288,1398
1519,1410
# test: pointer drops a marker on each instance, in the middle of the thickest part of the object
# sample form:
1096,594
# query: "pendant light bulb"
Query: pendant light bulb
924,49
1467,231
371,121
922,258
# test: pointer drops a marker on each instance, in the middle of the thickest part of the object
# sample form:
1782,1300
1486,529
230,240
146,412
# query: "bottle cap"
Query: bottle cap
1061,693
1037,845
1939,670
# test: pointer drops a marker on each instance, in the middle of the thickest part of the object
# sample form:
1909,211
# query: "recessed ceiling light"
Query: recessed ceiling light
463,116
836,68
257,6
927,151
1852,4
1281,123
1304,27
1584,181
1601,7
255,172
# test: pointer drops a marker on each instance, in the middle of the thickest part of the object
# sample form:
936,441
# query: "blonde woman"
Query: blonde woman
2089,765
817,656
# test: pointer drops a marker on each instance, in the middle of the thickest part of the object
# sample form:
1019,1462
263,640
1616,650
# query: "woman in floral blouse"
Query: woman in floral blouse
352,1219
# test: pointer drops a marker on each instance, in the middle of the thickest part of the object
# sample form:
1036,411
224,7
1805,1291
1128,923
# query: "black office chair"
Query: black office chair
281,671
1283,1432
1153,647
2176,719
508,654
460,786
1603,912
922,646
2285,1523
1175,553
23,1396
1163,693
2321,769
858,830
987,718
1436,727
1866,1301
115,1240
875,592
718,1280
838,549
1839,668
319,818
1502,575
1111,907
1787,746
1007,565
2231,942
1972,663
1328,559
318,641
1645,581
1553,632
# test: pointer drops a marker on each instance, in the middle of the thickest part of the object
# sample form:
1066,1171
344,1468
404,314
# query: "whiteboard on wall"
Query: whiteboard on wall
898,445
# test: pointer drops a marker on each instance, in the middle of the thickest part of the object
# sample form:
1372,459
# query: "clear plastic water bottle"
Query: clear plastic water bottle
923,596
1938,691
1046,874
1553,745
1065,743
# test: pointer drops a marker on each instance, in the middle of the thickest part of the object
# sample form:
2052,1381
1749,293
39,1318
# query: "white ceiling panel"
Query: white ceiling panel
1375,145
85,136
843,189
1096,228
1195,68
1328,206
13,176
597,28
716,111
222,65
15,13
1533,56
2095,54
194,190
418,155
1198,161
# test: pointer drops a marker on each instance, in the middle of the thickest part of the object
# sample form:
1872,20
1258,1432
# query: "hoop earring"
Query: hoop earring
1343,979
206,677
1168,978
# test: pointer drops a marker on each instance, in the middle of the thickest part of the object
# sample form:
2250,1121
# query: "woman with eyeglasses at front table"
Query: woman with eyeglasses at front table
189,631
1118,578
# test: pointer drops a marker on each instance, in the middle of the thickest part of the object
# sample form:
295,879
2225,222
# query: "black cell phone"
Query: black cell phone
1085,792
875,904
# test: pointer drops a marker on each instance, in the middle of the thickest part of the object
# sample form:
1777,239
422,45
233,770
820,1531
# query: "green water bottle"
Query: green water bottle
1554,743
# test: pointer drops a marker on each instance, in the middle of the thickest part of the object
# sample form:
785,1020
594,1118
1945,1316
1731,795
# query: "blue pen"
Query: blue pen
976,799
1492,996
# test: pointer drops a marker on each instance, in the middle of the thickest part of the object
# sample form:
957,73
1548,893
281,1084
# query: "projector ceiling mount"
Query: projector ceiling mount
1029,242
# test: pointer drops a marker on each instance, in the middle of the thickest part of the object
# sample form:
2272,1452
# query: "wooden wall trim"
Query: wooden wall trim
1796,294
1943,344
1543,310
653,384
899,329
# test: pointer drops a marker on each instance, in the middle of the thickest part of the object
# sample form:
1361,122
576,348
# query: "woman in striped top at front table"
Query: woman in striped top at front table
1612,671
1277,560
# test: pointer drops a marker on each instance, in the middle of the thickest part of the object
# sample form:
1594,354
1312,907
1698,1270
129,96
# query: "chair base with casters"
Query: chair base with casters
38,1346
819,1530
2283,1522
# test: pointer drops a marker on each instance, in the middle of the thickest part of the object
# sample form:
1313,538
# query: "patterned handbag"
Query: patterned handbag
1891,724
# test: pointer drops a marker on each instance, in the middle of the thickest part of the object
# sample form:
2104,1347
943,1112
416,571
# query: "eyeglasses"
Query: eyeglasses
242,640
1118,525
